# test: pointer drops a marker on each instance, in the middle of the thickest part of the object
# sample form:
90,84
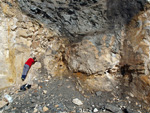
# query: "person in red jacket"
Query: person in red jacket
27,66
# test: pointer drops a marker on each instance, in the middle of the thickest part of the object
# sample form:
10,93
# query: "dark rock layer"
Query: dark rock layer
77,18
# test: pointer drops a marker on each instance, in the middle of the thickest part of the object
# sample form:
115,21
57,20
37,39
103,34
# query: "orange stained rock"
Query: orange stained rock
7,10
148,98
145,79
56,106
10,80
81,76
112,41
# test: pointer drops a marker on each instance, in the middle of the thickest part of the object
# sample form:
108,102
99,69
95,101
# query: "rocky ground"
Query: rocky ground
63,95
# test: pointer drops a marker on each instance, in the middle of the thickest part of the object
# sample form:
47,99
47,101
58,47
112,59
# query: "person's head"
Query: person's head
34,58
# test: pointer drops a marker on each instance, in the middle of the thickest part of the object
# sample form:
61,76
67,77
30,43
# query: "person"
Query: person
27,66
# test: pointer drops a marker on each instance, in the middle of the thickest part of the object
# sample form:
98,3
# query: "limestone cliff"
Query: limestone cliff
22,37
104,39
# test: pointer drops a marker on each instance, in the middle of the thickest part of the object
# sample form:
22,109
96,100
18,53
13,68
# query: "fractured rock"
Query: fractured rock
113,108
24,33
98,93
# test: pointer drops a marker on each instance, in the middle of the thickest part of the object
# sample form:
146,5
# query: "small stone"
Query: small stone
95,110
35,110
113,108
68,86
33,100
136,103
49,77
131,95
45,109
44,91
77,101
38,97
140,105
127,97
56,106
46,80
98,93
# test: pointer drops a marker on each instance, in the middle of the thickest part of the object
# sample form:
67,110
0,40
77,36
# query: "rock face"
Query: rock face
86,58
78,17
96,29
12,49
92,37
103,35
136,54
21,38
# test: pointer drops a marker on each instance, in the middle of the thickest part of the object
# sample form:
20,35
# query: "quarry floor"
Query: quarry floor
55,95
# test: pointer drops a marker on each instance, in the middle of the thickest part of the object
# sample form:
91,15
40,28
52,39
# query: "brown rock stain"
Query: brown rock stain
7,10
141,88
112,42
81,76
145,79
104,38
11,59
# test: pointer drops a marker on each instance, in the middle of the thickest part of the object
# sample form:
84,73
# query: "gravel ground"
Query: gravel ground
56,95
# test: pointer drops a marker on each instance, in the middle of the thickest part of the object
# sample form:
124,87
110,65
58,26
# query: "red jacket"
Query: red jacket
29,62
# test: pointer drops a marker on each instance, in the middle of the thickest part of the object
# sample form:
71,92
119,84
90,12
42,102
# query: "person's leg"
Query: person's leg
25,71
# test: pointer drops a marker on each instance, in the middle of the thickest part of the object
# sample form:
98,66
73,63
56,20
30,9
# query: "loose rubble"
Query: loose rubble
61,98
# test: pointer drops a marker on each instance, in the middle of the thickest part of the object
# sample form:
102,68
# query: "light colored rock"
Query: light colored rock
49,77
98,93
44,91
35,110
3,103
77,101
1,111
148,1
7,10
95,110
102,83
8,98
84,57
24,33
45,109
37,65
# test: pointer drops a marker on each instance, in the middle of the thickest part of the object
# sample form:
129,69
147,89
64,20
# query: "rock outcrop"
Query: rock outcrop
22,37
136,55
95,29
104,38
